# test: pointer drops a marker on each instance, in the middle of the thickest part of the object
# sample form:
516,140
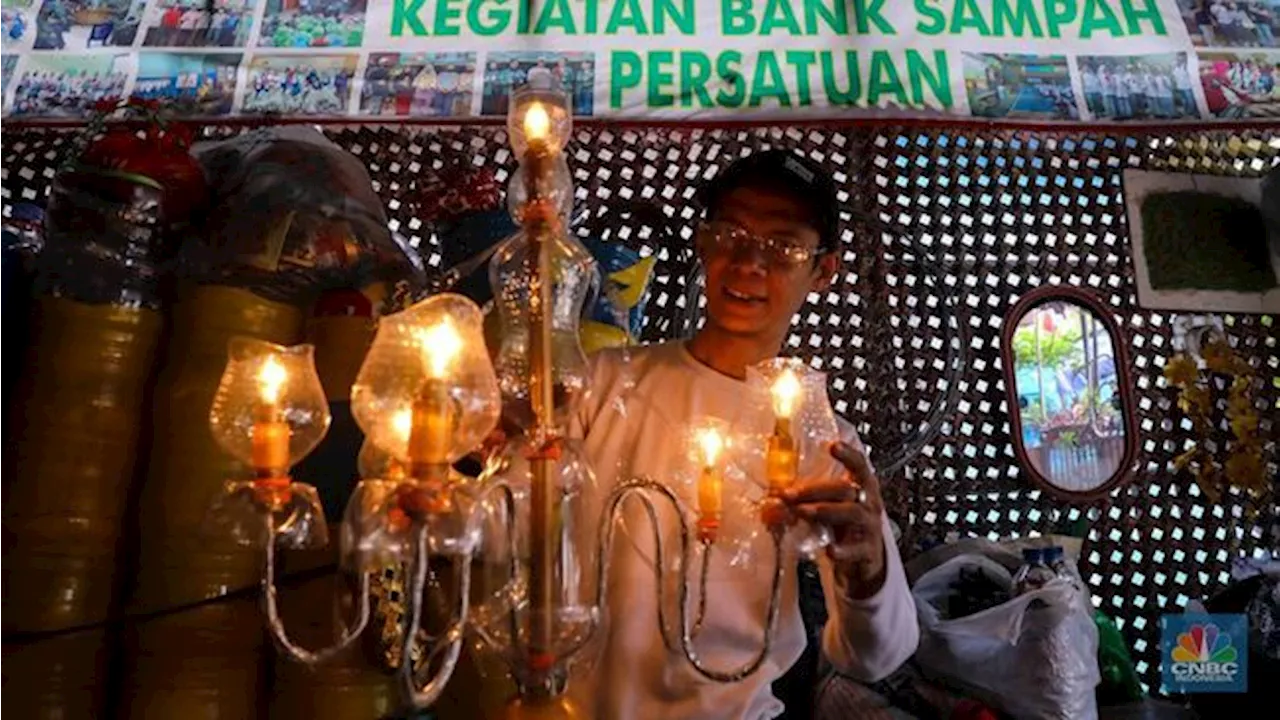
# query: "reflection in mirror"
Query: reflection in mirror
1068,393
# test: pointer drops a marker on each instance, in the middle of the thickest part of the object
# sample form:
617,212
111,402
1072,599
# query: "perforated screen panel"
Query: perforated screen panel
953,225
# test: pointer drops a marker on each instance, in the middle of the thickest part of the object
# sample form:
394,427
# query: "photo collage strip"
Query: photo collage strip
1237,43
214,58
1237,58
311,57
1099,87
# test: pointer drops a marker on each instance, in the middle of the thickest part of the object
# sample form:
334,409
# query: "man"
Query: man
770,238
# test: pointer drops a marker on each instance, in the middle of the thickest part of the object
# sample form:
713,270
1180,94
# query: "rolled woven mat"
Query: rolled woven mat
57,678
481,686
73,443
351,685
206,662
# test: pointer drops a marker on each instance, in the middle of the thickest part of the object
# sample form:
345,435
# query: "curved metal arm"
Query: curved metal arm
702,588
637,487
276,625
450,643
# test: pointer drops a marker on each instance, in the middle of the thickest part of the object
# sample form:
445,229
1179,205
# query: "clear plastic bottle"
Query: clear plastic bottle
1056,558
1034,573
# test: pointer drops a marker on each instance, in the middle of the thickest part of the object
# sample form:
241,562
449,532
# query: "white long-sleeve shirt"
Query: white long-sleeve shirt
633,423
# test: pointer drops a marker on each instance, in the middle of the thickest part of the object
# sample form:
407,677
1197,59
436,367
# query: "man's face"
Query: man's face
748,291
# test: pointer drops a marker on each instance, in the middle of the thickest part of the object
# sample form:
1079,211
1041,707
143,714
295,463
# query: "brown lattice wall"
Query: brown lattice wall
955,224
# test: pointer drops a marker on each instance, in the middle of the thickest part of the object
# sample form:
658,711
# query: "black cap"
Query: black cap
786,172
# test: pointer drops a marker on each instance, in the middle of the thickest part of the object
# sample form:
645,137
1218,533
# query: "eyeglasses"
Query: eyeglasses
719,236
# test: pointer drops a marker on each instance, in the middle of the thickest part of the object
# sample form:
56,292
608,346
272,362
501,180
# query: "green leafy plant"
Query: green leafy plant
1061,349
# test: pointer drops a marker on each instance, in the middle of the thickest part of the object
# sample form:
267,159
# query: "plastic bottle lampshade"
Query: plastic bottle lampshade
541,121
427,389
789,397
270,409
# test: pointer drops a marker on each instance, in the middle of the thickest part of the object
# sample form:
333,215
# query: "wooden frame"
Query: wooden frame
1124,388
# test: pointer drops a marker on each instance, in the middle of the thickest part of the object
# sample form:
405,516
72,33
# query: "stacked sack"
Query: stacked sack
115,217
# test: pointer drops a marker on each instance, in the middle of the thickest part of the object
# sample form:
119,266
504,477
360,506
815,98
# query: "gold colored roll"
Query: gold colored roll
57,678
482,686
341,344
556,708
349,685
68,469
205,662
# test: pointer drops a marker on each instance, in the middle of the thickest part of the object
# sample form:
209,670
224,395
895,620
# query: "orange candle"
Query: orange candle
710,482
433,414
782,457
432,425
537,127
270,439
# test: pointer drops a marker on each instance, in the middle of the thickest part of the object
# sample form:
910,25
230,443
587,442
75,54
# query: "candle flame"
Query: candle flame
537,123
711,443
402,424
441,344
786,394
271,380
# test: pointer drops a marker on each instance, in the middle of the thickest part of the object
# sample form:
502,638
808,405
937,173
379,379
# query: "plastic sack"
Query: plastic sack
294,216
466,244
1257,597
1033,657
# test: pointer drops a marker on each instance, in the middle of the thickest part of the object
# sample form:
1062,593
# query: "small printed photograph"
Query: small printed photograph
76,25
507,71
313,23
1231,23
192,84
299,84
1137,86
19,23
198,23
68,86
1201,243
1019,86
419,84
1241,85
10,63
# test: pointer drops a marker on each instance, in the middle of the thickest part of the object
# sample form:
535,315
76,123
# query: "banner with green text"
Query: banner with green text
682,60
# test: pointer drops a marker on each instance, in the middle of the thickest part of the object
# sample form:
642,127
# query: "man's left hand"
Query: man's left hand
851,507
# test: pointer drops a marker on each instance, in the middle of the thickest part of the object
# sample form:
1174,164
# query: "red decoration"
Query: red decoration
343,303
972,710
451,195
156,150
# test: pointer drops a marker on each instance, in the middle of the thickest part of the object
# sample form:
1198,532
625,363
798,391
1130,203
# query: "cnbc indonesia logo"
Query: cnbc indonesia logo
1204,655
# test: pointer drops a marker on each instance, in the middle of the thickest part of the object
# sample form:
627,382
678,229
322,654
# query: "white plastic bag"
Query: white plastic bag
1033,657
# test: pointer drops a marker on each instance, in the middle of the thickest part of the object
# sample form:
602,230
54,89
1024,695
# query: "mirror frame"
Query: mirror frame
1124,387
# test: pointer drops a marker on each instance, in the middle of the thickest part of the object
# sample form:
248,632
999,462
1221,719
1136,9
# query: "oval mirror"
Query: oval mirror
1071,410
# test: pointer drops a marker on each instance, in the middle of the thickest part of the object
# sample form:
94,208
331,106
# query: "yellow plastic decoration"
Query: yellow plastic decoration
1244,467
598,336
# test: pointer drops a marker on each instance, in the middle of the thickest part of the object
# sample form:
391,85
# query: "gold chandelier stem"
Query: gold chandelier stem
543,524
